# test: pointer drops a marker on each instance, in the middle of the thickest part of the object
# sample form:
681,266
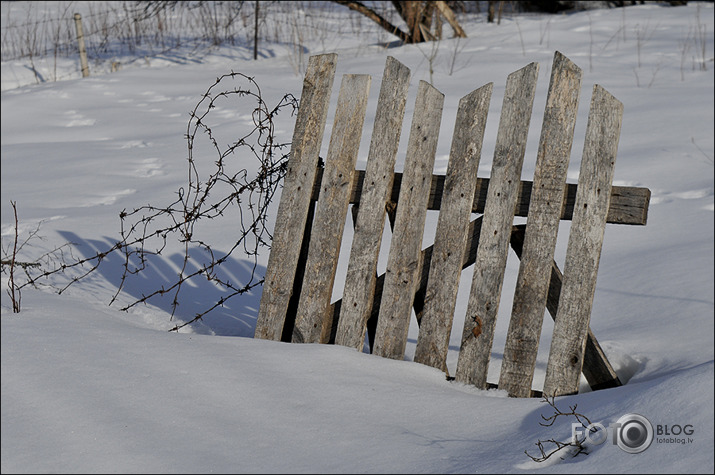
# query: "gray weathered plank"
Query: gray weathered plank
583,253
470,255
292,310
542,226
295,200
369,225
487,281
312,322
452,226
403,260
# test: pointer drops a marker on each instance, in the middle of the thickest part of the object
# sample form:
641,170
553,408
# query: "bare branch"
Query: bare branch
574,447
377,18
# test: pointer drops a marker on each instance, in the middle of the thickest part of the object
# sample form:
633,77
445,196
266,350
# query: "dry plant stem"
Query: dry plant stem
557,412
574,446
13,291
708,158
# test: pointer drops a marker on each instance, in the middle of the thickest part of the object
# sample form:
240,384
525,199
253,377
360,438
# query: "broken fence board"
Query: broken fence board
369,225
532,284
296,196
446,260
488,277
403,260
583,253
312,323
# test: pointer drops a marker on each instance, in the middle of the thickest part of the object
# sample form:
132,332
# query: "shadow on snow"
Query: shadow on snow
236,317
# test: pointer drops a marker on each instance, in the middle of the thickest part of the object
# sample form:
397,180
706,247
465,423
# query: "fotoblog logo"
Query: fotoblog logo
633,433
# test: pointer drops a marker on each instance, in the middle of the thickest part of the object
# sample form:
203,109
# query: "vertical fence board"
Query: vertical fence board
469,256
295,199
483,305
532,285
452,227
312,323
596,368
403,261
564,366
377,187
292,310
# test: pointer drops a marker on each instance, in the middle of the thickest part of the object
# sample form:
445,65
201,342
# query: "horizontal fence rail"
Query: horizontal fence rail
629,204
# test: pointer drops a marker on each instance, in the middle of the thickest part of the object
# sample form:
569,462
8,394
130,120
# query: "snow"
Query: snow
89,388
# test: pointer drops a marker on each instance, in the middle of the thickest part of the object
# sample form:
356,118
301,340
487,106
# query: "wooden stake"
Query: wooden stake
80,42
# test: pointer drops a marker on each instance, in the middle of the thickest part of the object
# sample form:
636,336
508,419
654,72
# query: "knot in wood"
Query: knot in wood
477,330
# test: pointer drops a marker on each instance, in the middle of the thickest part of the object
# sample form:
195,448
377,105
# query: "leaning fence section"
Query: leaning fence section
296,303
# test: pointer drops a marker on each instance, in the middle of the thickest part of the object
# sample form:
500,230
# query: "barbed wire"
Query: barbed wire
243,180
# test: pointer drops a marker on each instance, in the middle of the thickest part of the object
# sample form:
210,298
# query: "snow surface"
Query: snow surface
88,388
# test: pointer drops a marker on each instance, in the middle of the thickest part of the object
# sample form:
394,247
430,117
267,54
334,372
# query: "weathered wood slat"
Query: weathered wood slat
292,311
370,222
488,277
583,253
629,204
312,323
403,260
469,256
446,260
596,368
532,284
377,289
295,200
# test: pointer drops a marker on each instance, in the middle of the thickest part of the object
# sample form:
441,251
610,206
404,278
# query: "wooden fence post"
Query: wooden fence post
80,41
255,33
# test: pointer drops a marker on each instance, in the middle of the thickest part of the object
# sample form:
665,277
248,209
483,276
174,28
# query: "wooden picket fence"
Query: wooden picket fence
296,303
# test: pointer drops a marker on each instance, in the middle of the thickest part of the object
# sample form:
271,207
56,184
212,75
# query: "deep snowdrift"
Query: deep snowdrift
87,388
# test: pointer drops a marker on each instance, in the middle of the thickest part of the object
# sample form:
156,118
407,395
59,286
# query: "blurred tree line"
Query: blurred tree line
423,20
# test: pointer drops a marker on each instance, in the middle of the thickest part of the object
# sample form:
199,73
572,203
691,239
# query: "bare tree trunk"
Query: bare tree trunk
410,12
377,18
419,17
448,15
